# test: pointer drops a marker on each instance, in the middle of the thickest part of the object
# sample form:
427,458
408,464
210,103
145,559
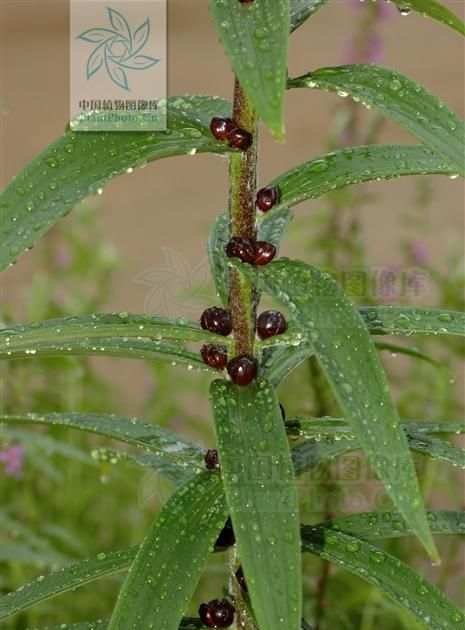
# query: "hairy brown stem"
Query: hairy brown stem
242,192
242,304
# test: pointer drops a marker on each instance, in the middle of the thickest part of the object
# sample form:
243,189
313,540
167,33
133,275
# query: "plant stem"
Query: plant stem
242,620
242,192
242,294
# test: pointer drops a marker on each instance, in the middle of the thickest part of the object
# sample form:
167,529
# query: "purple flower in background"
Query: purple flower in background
371,47
385,10
420,252
62,257
13,458
373,54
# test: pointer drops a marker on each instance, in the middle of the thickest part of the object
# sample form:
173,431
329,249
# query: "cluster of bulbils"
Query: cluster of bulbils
243,368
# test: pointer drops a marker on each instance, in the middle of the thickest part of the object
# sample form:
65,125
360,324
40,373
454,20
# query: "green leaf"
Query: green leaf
170,560
435,10
349,360
338,169
217,240
385,524
255,36
314,428
337,430
273,226
278,362
395,579
149,350
173,456
400,98
406,320
80,164
308,455
102,624
45,587
437,449
260,490
302,10
385,320
65,329
395,349
419,426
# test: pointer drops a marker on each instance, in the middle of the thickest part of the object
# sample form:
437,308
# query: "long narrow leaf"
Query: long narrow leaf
395,349
170,560
347,356
386,320
278,362
313,428
45,587
385,524
400,98
259,484
217,240
437,449
80,164
123,348
177,458
106,325
302,10
407,320
432,9
333,440
394,578
338,169
102,624
255,36
308,455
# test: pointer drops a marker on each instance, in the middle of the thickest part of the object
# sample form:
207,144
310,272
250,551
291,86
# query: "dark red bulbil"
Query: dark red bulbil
264,253
214,356
270,323
246,1
242,248
226,537
239,138
218,613
242,369
267,198
220,127
212,461
217,320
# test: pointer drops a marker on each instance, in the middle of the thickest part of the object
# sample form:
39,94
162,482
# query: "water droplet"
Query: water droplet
395,85
318,166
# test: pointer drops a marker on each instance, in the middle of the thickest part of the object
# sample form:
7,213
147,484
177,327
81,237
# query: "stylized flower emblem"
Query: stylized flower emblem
177,287
118,48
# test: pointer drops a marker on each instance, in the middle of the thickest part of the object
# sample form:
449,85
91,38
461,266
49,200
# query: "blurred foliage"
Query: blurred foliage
52,513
